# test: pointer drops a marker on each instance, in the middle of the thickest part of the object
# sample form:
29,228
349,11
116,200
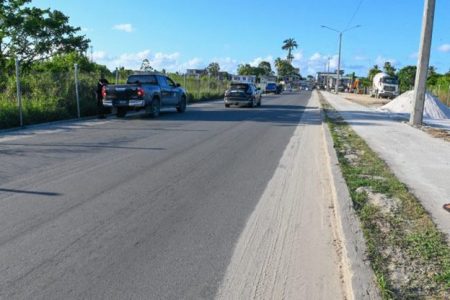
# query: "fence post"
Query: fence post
209,82
19,92
199,87
448,96
77,94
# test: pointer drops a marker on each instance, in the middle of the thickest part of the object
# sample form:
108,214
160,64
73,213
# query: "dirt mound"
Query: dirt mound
403,104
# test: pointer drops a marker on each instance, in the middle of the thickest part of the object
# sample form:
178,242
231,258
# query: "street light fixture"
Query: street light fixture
340,46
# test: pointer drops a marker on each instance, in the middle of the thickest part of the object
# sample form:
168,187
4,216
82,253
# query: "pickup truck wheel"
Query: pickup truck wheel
121,112
154,108
181,108
227,105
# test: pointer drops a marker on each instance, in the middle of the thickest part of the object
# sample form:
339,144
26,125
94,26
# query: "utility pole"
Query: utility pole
423,63
339,64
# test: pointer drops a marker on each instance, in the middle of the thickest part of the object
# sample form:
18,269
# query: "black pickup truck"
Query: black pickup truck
150,91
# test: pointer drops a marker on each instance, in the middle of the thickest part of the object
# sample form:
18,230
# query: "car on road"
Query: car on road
243,94
271,88
150,91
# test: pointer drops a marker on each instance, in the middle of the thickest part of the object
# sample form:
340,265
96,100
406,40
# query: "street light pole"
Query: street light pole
423,63
340,48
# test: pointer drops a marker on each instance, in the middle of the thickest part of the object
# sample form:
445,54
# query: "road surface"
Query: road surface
213,203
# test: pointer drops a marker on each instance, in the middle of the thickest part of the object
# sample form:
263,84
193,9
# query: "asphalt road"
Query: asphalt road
137,208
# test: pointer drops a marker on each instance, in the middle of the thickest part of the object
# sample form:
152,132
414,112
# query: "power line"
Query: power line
354,14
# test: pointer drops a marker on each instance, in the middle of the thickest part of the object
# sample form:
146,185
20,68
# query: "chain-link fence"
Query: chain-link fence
36,97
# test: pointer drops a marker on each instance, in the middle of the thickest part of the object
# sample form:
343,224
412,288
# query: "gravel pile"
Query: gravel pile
433,109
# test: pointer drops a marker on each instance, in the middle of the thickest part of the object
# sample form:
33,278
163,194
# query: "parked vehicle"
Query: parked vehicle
384,86
271,87
150,91
279,88
243,94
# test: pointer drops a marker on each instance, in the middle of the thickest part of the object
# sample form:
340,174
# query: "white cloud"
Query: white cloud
258,60
316,57
380,60
169,61
444,48
124,27
194,63
98,55
414,55
227,64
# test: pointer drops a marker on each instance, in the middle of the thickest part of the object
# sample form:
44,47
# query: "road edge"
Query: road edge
358,274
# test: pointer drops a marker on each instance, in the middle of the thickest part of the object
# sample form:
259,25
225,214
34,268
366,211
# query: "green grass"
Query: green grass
50,96
401,241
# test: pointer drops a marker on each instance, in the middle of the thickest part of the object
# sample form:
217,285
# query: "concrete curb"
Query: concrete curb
359,275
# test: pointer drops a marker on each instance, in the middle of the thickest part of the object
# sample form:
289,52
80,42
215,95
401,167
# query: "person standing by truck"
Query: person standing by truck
100,109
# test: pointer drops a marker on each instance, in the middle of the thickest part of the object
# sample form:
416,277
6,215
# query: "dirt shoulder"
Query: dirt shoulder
365,100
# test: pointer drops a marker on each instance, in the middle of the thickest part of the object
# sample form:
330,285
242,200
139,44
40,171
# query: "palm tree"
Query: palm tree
289,45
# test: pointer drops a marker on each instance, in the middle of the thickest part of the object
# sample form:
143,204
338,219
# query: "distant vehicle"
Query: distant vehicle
242,94
279,88
150,91
384,86
271,87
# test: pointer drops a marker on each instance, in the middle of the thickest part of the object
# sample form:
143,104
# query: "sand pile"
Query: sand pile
433,109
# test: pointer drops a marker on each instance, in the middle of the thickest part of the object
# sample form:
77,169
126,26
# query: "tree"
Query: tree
247,69
289,45
374,71
31,33
266,67
406,77
433,76
284,67
389,69
213,69
65,63
145,66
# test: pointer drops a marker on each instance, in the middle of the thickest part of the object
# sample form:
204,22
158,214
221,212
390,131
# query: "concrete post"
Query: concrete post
423,63
339,64
77,94
19,92
448,96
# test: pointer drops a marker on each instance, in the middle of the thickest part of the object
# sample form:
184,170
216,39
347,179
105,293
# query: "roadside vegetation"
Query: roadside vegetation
409,255
437,83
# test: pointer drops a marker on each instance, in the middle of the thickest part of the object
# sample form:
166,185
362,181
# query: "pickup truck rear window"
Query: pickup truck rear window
148,79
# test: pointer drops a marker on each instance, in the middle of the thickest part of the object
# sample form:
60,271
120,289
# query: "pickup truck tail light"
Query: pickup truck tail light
104,92
140,92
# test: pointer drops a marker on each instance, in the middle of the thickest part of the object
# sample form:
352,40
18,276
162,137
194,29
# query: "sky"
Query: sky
180,34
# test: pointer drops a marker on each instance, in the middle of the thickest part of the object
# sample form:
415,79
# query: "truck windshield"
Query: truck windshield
390,80
148,79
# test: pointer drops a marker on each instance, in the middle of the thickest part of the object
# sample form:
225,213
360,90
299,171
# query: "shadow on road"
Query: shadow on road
29,192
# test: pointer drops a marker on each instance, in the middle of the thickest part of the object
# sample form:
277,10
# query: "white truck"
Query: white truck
384,86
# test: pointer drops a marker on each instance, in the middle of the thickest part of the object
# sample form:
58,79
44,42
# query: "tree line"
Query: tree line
407,76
